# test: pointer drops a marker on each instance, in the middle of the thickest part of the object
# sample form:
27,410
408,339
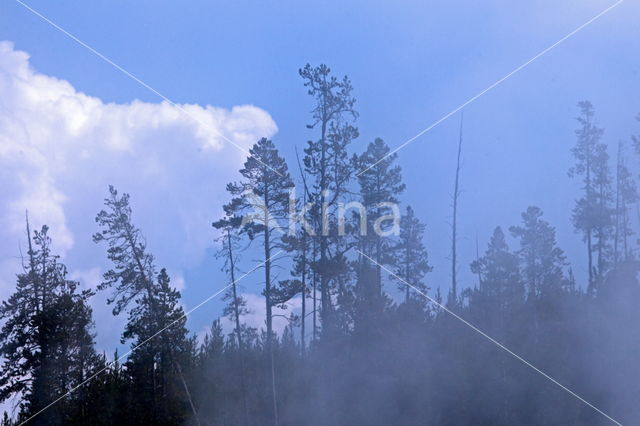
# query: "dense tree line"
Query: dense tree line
374,341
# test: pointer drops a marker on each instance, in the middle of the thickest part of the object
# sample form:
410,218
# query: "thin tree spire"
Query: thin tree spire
454,227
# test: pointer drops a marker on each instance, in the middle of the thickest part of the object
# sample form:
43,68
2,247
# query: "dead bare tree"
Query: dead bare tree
453,296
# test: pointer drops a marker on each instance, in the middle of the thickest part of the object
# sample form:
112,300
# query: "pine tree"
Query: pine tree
626,195
604,213
76,360
155,323
494,307
236,305
299,243
411,259
327,164
263,199
542,267
157,330
542,261
592,212
501,288
46,340
380,186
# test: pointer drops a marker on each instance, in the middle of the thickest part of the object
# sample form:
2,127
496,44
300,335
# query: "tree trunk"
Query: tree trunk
304,291
236,311
454,229
315,294
589,197
590,261
324,281
267,295
617,212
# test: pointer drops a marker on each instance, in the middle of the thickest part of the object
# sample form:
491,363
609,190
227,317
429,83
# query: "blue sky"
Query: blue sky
410,62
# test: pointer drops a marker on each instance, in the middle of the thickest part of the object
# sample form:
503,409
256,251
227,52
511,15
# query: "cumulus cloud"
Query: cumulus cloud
60,149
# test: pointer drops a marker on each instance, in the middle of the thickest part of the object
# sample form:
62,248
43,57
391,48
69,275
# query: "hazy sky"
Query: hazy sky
70,123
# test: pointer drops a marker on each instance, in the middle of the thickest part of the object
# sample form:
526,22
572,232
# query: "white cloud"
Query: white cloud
60,149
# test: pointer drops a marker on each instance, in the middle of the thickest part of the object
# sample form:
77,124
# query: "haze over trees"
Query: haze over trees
369,345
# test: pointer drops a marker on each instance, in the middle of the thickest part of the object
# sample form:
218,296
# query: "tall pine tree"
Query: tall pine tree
262,199
380,186
328,167
156,322
592,212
